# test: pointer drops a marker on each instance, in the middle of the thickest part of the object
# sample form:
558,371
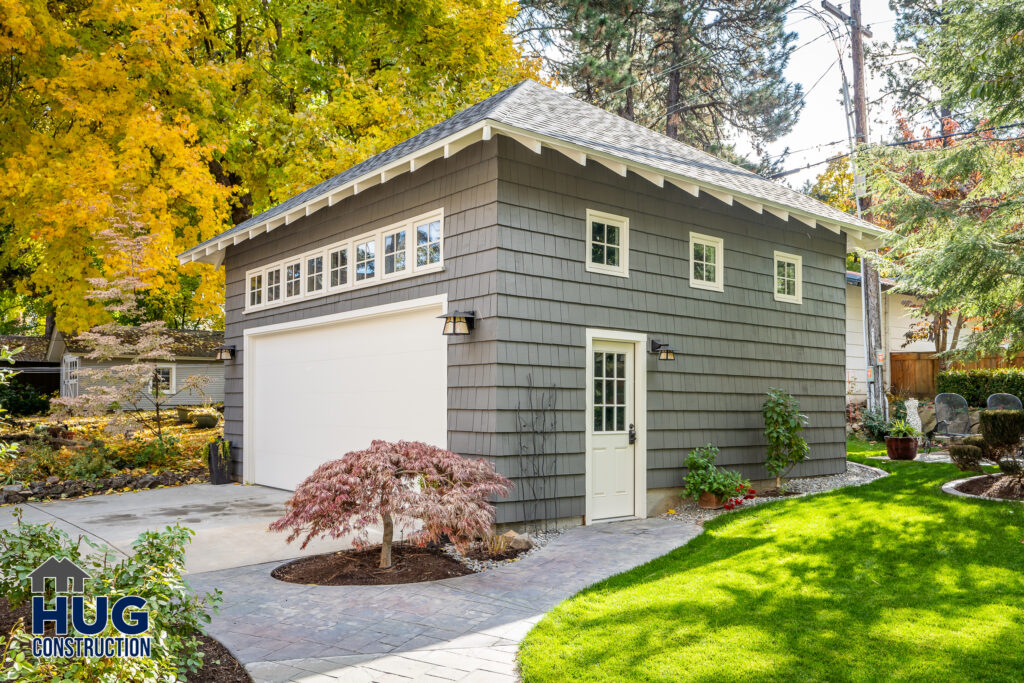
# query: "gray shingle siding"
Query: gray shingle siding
734,345
465,185
514,252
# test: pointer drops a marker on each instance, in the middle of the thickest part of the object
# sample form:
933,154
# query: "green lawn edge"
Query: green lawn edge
892,580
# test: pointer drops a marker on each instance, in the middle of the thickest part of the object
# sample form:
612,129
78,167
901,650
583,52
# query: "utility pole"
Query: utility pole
870,283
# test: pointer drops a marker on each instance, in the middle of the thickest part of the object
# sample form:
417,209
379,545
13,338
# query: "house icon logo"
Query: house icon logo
84,626
67,576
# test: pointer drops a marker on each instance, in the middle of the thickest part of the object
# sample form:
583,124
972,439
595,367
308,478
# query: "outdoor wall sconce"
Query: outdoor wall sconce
458,323
664,351
226,352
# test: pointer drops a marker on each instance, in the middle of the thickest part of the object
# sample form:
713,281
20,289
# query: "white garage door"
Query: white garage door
316,392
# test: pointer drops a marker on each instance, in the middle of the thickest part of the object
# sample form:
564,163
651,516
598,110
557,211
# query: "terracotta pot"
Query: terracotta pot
901,447
710,501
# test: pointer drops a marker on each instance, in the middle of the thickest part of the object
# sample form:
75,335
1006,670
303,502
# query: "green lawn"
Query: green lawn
889,581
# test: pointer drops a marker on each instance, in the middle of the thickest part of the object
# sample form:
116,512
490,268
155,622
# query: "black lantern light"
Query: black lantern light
458,323
226,352
664,351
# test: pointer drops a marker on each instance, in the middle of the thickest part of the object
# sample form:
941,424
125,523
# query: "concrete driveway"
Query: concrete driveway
230,522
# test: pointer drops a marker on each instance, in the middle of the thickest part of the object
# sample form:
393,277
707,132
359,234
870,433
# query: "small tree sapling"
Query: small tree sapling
395,483
135,349
782,426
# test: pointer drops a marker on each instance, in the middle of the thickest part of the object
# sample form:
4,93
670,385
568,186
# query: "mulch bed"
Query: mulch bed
409,564
994,486
219,665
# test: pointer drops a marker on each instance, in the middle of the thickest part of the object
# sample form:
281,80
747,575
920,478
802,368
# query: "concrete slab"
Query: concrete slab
230,522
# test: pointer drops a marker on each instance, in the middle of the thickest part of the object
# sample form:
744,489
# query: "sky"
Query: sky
815,66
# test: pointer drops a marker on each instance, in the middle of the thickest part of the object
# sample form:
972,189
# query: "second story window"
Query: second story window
394,252
293,280
255,290
365,260
339,267
273,285
607,244
314,274
707,262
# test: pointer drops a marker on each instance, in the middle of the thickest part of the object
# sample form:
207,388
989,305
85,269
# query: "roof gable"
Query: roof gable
539,116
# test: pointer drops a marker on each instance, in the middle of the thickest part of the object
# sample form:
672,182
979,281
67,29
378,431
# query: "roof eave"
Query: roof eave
860,234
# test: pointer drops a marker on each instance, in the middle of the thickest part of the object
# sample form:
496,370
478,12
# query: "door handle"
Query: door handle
632,435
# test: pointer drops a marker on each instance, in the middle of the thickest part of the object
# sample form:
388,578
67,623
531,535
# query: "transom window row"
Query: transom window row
402,250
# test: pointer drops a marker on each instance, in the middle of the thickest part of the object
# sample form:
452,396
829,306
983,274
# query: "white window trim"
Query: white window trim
285,281
248,289
324,274
377,236
622,222
796,260
172,383
267,303
707,240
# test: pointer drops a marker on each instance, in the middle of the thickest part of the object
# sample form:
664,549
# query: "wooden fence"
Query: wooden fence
914,374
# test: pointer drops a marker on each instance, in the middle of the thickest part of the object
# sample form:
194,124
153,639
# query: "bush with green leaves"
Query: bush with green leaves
902,429
1002,428
1011,467
977,385
703,476
37,461
782,426
22,400
875,424
154,572
968,458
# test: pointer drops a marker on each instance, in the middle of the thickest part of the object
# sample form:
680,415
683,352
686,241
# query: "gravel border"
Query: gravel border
538,538
856,474
950,488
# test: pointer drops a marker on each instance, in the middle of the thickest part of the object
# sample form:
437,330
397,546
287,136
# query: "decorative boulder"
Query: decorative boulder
521,542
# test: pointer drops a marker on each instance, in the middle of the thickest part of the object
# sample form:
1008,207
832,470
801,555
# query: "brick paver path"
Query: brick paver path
462,629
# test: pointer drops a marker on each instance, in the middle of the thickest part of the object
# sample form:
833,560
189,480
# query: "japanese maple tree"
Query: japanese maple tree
395,484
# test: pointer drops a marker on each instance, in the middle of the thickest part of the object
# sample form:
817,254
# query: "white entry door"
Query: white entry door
612,456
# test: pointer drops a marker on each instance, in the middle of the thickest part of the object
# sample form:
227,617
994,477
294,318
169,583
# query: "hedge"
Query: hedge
977,385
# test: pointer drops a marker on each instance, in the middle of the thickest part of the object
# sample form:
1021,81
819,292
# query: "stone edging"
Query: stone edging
950,488
54,488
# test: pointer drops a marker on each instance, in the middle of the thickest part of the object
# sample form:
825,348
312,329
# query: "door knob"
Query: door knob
632,435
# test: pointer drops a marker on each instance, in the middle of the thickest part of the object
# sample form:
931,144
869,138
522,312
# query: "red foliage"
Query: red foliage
400,483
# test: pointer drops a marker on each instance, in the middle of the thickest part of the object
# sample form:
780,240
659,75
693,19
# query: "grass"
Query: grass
893,580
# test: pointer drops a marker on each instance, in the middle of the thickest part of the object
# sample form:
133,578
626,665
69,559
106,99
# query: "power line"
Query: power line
909,142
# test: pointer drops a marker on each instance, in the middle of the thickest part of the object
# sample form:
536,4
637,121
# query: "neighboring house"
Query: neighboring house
194,353
31,362
576,239
897,320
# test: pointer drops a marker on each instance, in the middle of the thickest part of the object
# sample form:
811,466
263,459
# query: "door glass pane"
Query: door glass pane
598,365
620,418
620,365
598,421
609,419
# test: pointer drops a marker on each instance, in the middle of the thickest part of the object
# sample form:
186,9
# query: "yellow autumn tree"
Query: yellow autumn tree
834,186
209,111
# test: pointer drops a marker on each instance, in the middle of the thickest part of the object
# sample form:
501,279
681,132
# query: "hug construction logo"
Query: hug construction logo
89,617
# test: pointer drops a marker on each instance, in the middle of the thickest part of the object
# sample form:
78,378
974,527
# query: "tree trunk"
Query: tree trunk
385,544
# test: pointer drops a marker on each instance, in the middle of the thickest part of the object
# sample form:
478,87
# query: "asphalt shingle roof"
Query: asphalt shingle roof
538,109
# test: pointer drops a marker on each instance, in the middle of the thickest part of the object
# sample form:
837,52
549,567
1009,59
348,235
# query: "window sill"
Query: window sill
710,286
617,272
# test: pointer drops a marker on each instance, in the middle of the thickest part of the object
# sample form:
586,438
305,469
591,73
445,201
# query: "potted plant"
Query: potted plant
205,418
183,415
901,442
220,461
711,486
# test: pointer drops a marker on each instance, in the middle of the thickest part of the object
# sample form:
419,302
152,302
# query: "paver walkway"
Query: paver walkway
466,628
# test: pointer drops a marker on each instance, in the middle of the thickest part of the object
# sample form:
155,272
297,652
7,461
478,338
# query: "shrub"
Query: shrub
1011,467
702,475
154,452
37,461
782,426
874,424
1002,428
977,385
902,428
90,463
395,483
22,400
967,458
154,572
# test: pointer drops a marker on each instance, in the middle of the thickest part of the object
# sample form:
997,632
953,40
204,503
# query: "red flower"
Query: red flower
749,496
740,487
751,491
728,506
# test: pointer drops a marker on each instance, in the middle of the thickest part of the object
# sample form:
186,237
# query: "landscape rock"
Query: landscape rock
119,481
51,480
147,481
510,535
12,488
521,542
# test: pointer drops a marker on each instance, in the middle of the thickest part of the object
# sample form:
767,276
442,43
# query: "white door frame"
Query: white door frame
639,341
439,301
